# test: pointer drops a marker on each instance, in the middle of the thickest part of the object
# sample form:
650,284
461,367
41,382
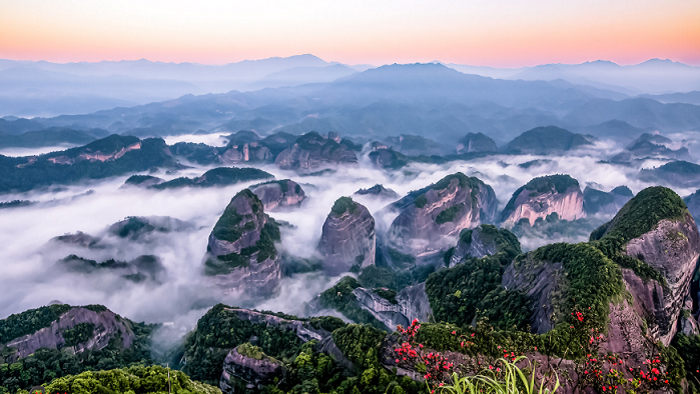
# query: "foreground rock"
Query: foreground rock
278,194
241,254
313,151
348,238
430,218
247,366
543,196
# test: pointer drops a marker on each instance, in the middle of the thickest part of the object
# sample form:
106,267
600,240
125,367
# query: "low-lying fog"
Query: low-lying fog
30,277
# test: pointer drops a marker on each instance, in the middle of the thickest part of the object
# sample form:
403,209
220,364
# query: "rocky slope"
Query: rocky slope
650,248
676,174
104,323
241,254
348,238
482,241
279,194
430,218
408,304
543,196
312,151
652,146
605,203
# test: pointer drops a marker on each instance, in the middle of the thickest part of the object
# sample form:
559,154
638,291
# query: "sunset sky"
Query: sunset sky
509,33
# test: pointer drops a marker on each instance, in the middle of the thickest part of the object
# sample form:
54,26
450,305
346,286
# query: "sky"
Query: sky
510,33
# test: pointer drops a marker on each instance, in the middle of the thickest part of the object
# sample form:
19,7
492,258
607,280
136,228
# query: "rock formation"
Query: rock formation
138,227
476,142
278,194
241,254
430,218
543,196
599,202
378,191
408,304
106,325
657,243
482,241
676,173
651,146
249,366
312,151
348,237
143,181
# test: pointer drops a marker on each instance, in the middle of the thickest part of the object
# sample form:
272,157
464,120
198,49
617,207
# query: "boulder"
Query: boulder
241,254
348,237
278,194
543,196
430,219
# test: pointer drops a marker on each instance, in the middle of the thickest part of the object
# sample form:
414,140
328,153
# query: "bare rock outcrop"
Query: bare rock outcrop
429,219
543,196
241,254
312,151
249,366
106,326
408,304
378,191
348,238
279,194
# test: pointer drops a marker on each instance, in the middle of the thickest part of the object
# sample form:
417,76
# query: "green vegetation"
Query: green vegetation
449,214
80,333
219,331
136,380
400,259
340,298
373,277
640,215
221,176
139,179
559,182
250,351
688,348
421,201
359,343
45,365
342,205
506,242
30,321
387,294
552,227
17,173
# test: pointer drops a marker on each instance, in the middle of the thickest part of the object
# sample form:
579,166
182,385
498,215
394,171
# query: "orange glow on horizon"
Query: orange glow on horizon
411,31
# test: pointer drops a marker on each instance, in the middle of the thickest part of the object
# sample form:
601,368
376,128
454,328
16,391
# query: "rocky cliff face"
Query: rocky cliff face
106,326
348,237
409,303
278,194
672,249
480,242
430,218
241,255
543,196
253,371
312,151
476,142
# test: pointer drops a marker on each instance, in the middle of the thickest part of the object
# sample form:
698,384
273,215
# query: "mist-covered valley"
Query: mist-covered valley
304,220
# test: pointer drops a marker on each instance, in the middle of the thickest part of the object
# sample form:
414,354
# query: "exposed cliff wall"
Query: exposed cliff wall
543,196
430,218
348,237
246,365
106,325
279,194
241,254
408,304
481,241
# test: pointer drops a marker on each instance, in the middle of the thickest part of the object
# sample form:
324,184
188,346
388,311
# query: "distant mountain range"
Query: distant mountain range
30,89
